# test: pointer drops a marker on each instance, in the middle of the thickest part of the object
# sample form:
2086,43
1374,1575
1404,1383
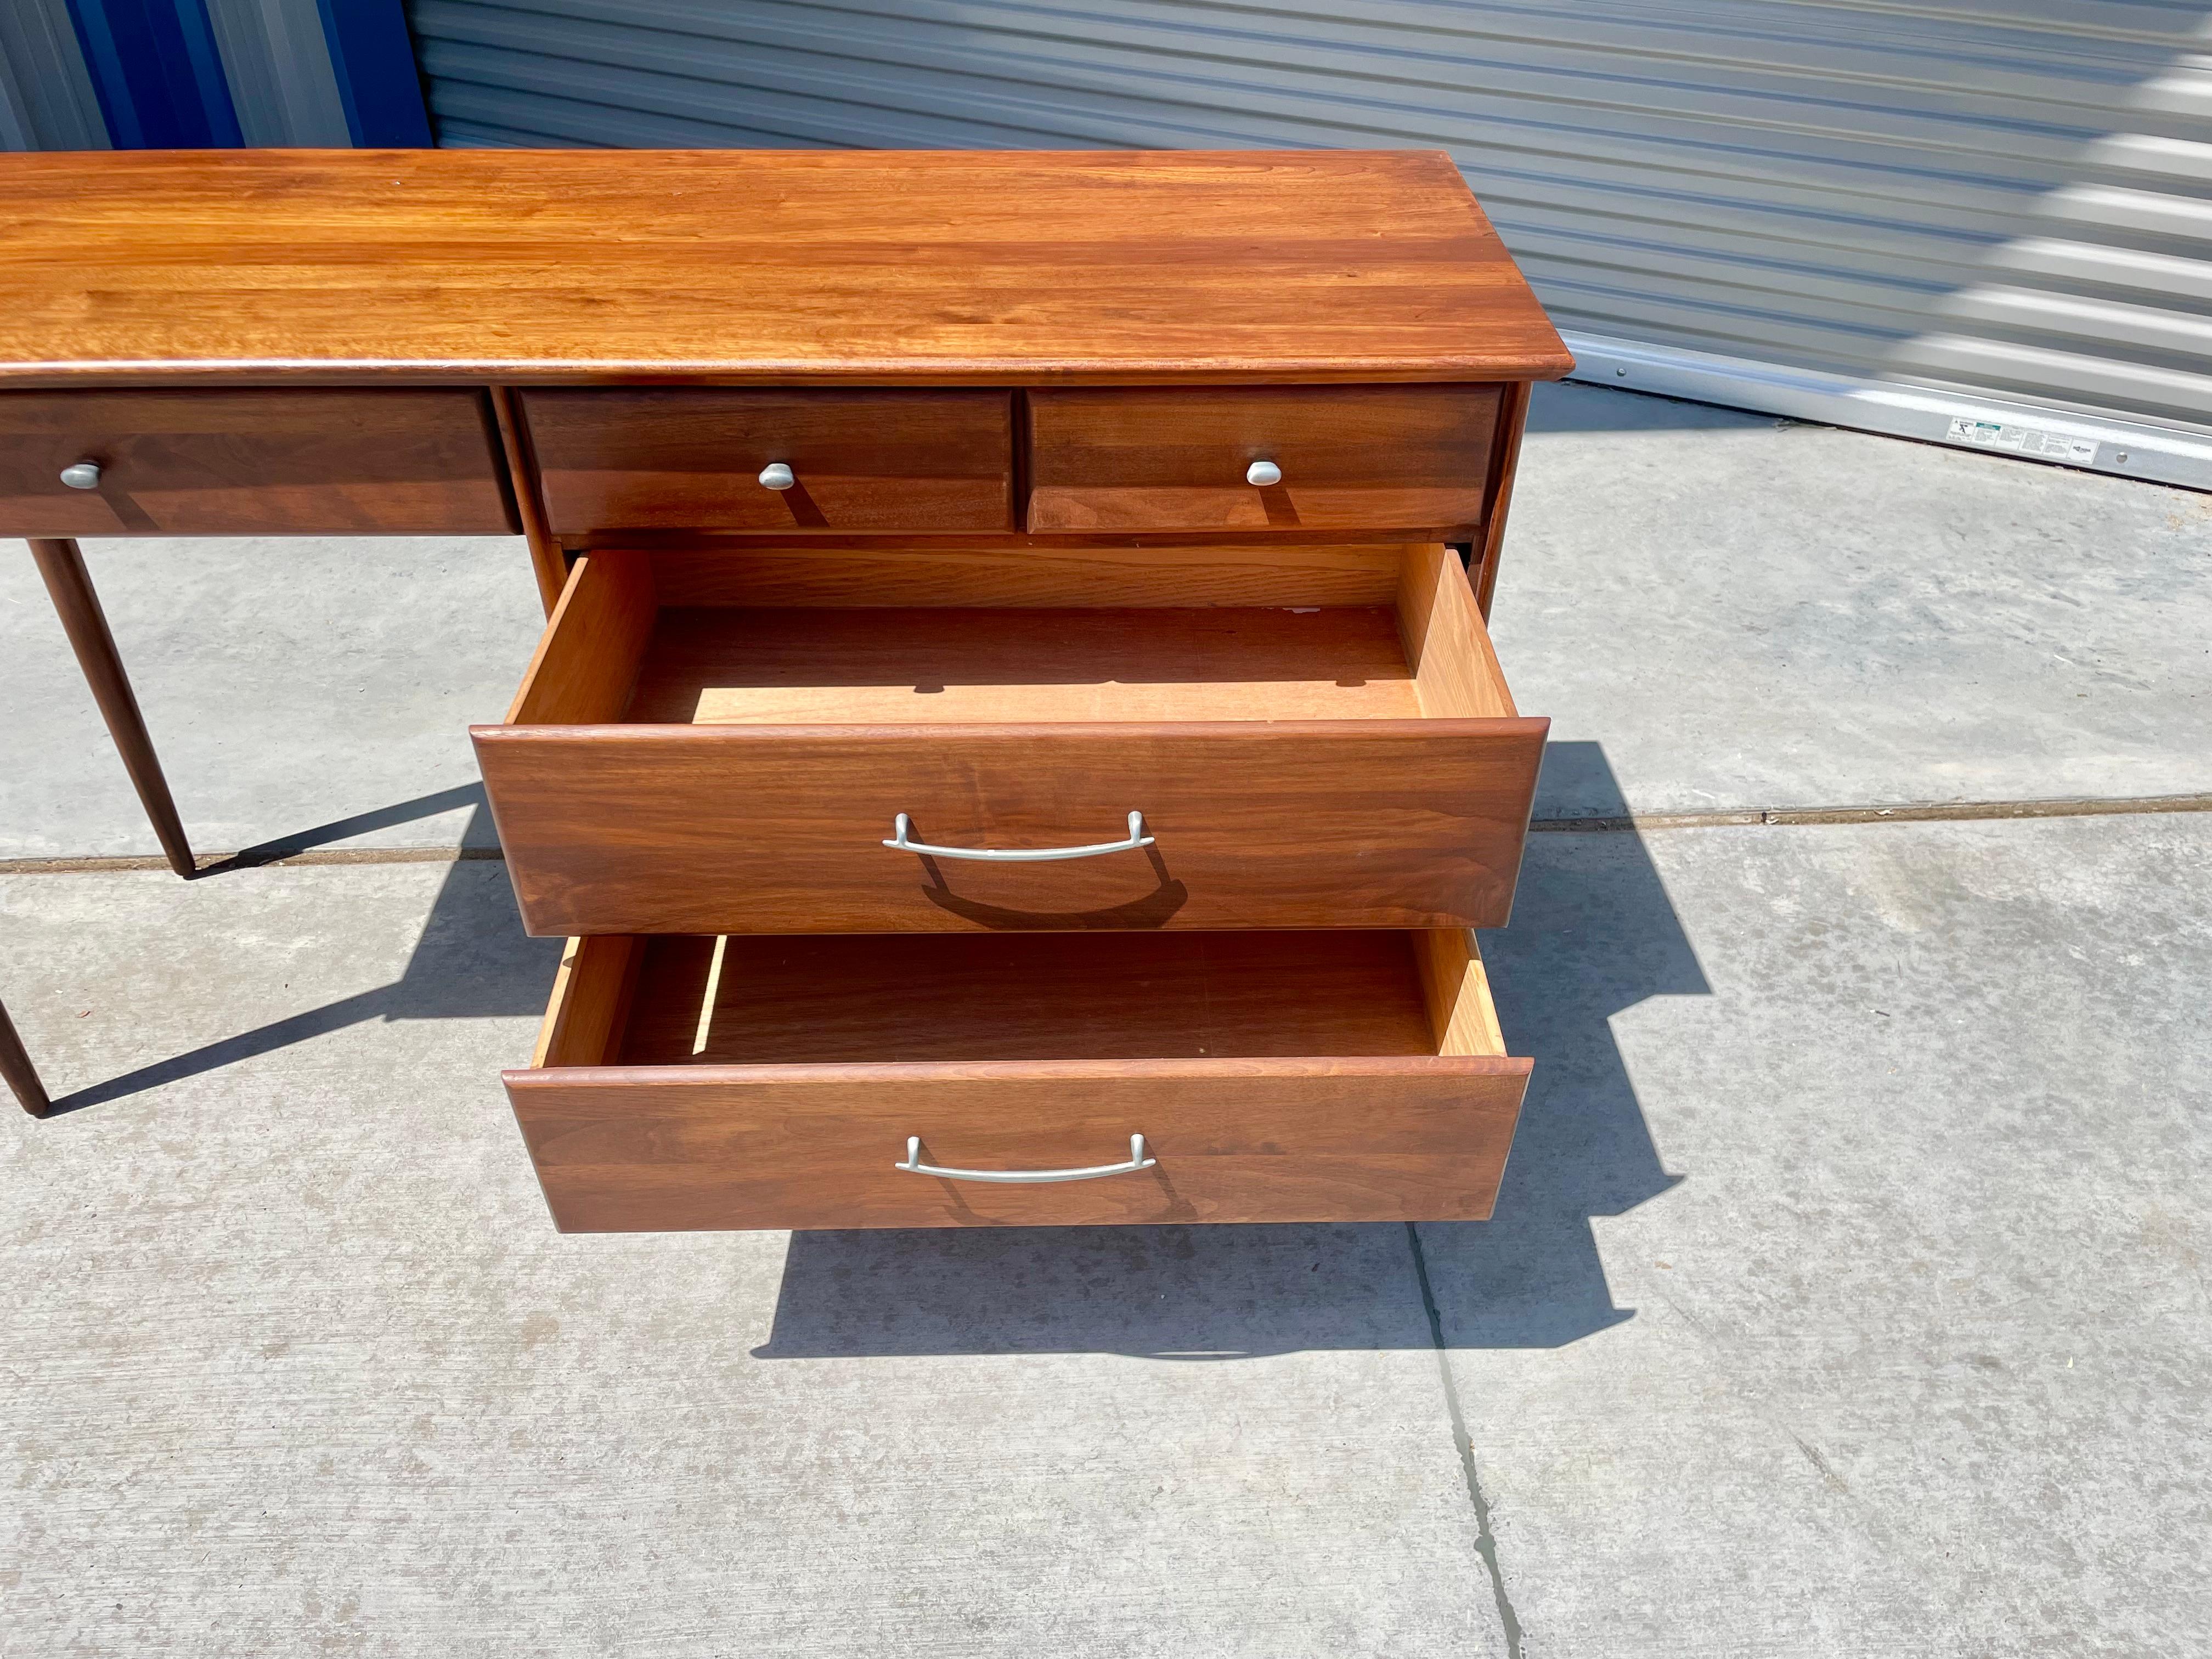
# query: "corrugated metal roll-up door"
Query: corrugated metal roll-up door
1985,224
184,74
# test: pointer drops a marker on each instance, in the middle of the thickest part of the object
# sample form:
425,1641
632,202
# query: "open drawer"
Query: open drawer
933,740
1018,1080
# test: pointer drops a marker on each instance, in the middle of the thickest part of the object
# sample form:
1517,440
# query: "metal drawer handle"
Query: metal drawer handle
84,475
913,1165
1263,473
777,476
901,827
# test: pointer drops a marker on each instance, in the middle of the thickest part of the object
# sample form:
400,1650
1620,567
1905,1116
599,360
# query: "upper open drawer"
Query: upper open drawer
821,740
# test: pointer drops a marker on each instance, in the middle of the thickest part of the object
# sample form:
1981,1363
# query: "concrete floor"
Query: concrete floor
1752,614
1847,1293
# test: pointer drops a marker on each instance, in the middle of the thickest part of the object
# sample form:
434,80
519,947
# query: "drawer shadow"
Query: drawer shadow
1594,932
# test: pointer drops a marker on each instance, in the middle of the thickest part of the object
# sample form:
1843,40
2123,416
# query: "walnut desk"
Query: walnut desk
1015,740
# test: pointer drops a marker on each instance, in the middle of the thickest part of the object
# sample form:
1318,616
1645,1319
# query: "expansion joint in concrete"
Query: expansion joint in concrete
1920,812
213,864
1719,818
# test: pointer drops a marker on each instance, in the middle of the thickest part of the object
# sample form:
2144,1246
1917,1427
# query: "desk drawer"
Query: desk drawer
699,1083
251,463
613,459
673,768
1410,458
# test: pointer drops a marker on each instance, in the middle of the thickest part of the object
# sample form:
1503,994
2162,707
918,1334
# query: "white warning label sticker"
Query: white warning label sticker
2022,439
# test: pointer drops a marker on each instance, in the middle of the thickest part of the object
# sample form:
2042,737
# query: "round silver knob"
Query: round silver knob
85,475
777,476
1263,473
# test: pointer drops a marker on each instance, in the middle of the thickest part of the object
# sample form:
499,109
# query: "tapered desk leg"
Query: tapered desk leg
70,585
21,1077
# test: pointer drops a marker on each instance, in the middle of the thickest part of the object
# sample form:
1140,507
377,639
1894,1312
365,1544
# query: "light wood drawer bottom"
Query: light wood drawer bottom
688,1083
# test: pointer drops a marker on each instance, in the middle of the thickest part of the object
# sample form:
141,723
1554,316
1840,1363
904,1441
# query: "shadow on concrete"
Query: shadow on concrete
473,961
477,832
1582,407
1592,933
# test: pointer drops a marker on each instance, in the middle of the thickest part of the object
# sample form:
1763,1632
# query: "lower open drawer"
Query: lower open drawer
1023,1079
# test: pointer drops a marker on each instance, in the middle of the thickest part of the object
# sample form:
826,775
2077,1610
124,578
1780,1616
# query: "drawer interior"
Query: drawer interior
812,636
680,1000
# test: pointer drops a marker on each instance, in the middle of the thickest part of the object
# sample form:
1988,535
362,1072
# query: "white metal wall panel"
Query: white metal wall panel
2014,200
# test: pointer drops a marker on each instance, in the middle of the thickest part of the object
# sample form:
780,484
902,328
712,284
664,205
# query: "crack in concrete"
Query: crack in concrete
1836,1482
1485,1540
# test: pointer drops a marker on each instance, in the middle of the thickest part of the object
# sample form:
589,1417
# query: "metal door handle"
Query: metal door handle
913,1165
902,826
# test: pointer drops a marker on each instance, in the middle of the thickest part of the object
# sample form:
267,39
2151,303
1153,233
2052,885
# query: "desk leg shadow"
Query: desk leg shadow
471,961
478,839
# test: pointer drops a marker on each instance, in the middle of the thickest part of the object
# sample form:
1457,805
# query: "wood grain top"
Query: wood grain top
736,266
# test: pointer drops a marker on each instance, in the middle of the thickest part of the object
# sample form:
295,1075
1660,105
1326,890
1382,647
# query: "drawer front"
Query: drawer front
1333,823
1414,458
676,459
1394,1139
244,463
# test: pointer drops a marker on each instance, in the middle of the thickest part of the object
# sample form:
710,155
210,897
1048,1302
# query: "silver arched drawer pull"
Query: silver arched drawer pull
913,1165
84,475
777,476
1263,473
901,841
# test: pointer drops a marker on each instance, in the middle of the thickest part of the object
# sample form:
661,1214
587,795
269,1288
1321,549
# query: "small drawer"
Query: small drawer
250,462
678,459
1408,458
1102,1079
1308,738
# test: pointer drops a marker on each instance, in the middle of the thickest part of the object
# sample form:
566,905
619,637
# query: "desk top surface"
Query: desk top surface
737,266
